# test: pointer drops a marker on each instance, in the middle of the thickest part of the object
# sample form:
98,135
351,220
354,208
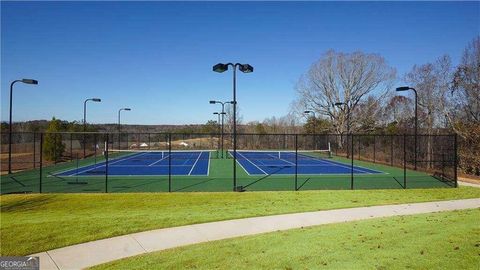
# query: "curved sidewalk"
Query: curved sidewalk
106,250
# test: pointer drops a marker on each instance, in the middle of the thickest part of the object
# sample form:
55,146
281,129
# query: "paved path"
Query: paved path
462,183
106,250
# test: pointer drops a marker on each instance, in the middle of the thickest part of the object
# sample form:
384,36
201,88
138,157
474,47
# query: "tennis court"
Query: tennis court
147,163
256,162
196,163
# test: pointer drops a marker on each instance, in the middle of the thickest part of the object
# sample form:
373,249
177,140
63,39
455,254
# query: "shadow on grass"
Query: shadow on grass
26,203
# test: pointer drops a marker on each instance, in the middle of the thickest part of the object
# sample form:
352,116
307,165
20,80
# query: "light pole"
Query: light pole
27,81
245,68
85,119
223,113
406,88
122,109
338,104
218,120
120,126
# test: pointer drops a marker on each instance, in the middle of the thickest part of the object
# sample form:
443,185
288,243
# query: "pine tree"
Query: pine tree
53,147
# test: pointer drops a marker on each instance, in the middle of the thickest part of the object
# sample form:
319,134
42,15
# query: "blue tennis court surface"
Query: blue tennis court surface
275,162
195,163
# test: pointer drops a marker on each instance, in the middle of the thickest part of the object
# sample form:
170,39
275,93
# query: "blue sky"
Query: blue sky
156,57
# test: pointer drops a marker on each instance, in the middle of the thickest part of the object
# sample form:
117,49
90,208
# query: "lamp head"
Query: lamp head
339,103
127,109
212,102
29,81
215,113
220,68
245,68
403,88
307,111
96,100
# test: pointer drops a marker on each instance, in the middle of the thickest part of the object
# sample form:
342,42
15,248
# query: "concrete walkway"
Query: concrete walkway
106,250
462,183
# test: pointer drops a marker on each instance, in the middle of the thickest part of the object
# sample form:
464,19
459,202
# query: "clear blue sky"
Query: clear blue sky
156,57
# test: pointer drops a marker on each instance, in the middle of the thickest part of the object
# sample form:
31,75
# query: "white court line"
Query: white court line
195,164
157,161
339,164
252,163
239,163
208,164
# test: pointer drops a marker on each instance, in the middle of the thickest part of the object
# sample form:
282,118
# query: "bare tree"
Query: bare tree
228,121
466,85
464,114
343,77
432,82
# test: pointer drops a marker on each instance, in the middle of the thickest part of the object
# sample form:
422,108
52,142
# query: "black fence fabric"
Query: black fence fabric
177,162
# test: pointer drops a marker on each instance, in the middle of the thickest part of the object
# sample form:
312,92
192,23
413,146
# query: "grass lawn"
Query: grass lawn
46,221
448,240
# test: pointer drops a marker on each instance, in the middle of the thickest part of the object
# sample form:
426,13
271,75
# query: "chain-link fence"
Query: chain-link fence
178,162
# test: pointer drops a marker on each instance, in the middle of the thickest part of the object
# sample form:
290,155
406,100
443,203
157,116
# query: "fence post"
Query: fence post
41,160
351,156
106,165
359,144
96,142
34,150
404,162
55,148
455,160
84,145
296,162
71,146
169,162
443,165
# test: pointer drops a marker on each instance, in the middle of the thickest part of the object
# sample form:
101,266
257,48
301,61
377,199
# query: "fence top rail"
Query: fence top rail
231,134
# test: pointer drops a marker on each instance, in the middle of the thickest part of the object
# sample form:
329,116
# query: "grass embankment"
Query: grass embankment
46,221
448,240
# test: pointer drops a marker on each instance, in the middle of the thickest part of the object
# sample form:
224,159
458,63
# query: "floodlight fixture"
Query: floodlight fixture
403,88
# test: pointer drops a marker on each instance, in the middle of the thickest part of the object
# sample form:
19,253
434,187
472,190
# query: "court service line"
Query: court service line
158,161
252,163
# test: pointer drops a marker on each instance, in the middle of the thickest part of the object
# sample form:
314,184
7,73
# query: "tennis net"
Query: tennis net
139,155
281,154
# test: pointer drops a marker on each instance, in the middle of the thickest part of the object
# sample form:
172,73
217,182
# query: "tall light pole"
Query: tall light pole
122,109
218,121
27,81
339,104
85,120
245,68
223,113
406,88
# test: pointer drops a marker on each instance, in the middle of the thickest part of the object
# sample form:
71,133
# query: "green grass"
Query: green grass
46,221
219,180
448,240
